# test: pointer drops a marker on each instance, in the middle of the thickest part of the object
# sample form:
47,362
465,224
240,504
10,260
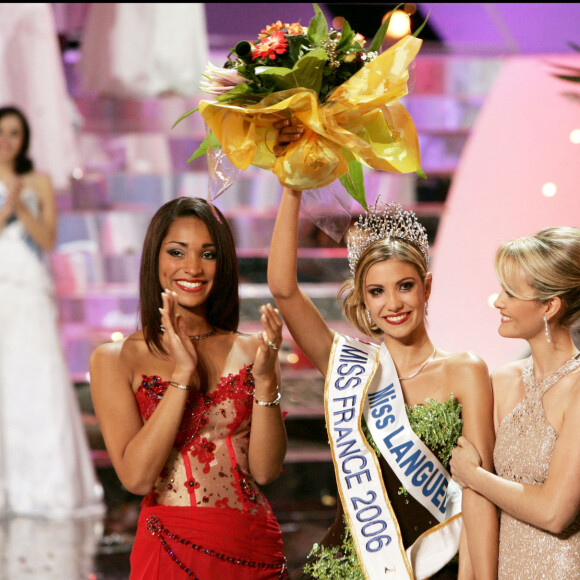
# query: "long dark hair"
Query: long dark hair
223,303
22,164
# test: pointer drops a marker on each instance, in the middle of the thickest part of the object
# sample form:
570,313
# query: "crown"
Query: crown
385,222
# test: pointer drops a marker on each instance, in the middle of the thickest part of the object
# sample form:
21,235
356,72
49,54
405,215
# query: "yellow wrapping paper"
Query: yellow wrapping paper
362,116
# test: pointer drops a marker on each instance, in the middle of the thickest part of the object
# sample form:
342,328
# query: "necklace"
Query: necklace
429,359
552,379
202,336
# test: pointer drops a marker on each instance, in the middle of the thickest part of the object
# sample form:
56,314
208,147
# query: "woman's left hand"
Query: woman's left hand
465,459
270,340
14,187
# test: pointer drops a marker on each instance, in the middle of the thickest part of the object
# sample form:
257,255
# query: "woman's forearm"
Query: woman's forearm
481,523
533,504
283,259
268,441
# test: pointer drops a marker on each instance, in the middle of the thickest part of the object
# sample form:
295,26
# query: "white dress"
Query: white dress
33,79
45,463
144,50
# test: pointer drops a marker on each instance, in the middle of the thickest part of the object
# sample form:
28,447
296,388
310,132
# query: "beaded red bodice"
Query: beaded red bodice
208,465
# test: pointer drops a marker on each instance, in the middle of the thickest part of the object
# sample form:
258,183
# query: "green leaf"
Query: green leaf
570,69
418,31
346,37
353,180
380,35
298,46
318,27
210,143
306,73
185,115
244,94
568,78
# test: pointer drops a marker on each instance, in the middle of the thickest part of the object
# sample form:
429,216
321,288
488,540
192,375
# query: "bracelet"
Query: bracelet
276,390
178,386
273,403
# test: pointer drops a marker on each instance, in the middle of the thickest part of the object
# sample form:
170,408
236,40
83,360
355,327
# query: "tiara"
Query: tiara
385,222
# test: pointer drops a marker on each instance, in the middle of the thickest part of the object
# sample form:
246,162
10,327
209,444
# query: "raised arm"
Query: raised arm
139,450
301,316
551,506
480,516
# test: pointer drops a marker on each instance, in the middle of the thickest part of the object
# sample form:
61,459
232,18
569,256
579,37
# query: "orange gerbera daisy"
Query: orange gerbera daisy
274,27
270,46
295,28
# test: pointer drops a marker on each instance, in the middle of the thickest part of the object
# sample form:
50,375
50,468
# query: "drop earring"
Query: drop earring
547,330
426,307
369,318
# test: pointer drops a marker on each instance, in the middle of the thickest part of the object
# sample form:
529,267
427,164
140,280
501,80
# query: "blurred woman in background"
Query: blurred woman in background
45,464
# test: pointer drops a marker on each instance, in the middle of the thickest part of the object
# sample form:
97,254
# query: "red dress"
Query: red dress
206,518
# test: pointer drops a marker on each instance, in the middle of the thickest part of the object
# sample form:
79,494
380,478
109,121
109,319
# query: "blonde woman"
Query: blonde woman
537,411
409,397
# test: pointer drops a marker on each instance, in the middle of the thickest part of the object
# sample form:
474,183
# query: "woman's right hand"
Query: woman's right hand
177,341
465,459
288,132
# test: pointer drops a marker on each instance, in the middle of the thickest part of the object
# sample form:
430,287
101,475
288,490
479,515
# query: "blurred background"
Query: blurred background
500,142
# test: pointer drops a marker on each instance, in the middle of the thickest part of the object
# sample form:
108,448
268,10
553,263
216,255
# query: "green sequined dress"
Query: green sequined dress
439,426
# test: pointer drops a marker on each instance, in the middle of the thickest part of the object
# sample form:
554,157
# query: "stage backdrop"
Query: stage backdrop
520,144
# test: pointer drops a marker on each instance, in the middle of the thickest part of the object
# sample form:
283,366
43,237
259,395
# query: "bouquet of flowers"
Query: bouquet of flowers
345,97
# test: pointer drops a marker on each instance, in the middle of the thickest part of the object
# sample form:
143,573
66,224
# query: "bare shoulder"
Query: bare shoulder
119,351
466,364
508,374
574,390
467,375
246,343
41,182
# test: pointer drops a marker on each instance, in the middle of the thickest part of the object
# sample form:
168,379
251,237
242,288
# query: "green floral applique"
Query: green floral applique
335,562
438,425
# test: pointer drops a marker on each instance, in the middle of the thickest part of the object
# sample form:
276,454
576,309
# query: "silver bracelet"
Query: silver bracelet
276,390
273,403
178,386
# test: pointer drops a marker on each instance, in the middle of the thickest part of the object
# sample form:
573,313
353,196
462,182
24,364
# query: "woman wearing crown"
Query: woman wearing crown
395,407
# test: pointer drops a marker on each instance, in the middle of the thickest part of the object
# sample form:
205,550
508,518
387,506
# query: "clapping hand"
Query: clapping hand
14,188
270,340
176,339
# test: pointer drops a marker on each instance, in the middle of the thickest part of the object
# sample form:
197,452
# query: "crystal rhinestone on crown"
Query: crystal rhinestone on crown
385,221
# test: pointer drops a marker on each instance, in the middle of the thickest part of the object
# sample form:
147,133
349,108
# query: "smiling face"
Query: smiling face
395,295
187,261
520,318
11,137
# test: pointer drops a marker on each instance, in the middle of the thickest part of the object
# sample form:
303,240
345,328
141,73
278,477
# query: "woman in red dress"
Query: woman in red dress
189,408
